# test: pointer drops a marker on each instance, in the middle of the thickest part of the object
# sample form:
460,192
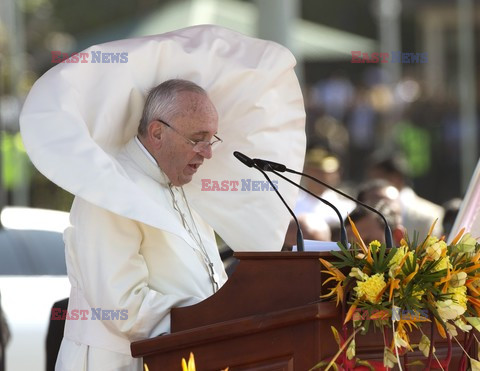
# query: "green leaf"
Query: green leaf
435,313
474,321
337,336
366,325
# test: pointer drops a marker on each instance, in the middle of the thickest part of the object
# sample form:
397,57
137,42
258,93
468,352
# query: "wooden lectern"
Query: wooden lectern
267,317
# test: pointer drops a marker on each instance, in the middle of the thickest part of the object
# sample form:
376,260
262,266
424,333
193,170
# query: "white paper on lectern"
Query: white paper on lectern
313,245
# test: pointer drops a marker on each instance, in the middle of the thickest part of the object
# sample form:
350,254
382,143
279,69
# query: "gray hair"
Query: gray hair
162,101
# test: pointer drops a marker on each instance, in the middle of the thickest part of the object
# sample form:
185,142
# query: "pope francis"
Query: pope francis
142,278
133,143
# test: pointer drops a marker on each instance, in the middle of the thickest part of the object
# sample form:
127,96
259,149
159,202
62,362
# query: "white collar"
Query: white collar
139,154
142,147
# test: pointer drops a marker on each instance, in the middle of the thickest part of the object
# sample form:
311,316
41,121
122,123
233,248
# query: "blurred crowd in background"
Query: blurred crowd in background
358,122
387,145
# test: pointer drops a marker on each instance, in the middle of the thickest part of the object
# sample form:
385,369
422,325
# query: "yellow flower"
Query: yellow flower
459,295
374,245
397,258
448,310
336,276
371,287
431,240
451,309
418,293
436,250
191,364
358,274
443,263
458,279
467,243
462,325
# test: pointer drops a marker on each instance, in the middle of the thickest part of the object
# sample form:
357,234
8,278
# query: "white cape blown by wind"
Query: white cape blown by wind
78,115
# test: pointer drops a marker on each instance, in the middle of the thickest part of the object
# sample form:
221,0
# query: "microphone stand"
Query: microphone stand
300,243
247,161
388,231
343,231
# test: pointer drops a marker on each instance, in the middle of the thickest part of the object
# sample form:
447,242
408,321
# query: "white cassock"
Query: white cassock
130,247
145,270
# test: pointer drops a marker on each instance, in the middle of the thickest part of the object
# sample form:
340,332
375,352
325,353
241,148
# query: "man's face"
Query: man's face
198,121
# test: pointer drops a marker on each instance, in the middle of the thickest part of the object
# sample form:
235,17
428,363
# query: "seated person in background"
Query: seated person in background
371,226
384,197
418,214
326,167
375,190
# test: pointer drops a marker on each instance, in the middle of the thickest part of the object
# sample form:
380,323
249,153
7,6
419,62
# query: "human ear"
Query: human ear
155,131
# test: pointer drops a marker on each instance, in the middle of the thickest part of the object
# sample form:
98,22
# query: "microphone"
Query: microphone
244,159
249,162
275,167
343,231
269,165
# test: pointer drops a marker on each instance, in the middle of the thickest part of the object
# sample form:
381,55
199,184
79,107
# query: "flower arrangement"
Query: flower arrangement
190,366
400,289
186,366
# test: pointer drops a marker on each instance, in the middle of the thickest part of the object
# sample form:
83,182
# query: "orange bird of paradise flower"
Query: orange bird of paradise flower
337,276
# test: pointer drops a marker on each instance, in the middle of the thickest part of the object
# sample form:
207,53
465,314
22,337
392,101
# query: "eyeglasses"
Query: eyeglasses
198,145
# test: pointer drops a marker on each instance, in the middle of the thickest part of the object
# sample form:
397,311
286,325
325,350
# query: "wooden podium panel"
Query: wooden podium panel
267,317
262,283
284,340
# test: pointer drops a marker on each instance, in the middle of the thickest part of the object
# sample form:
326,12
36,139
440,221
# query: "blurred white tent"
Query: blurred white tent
311,41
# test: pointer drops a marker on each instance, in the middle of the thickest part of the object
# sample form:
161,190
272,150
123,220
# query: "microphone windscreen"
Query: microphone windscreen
243,158
269,165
